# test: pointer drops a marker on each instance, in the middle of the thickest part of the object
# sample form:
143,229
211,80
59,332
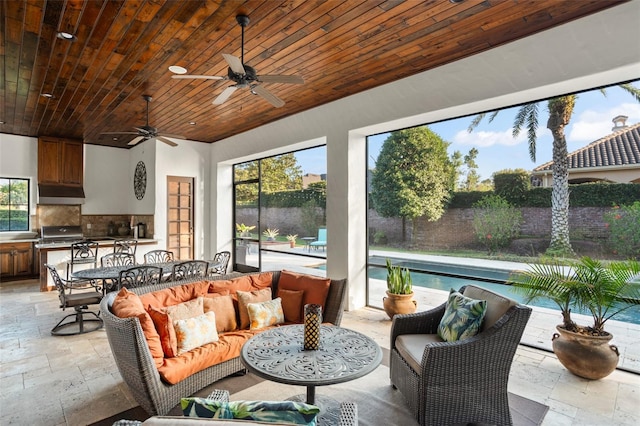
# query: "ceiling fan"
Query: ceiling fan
245,76
147,132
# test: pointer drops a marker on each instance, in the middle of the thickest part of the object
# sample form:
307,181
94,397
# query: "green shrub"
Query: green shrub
624,227
512,185
495,222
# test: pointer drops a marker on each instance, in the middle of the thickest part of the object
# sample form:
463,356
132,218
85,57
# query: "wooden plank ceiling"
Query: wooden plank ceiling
124,48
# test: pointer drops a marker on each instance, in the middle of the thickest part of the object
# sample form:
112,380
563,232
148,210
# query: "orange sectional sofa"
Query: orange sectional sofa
161,359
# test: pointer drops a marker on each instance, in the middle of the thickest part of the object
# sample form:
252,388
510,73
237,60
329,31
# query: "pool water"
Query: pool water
446,283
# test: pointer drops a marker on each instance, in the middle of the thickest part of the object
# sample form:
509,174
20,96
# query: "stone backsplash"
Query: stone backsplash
92,225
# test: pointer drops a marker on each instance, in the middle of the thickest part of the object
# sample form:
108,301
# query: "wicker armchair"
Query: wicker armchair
457,382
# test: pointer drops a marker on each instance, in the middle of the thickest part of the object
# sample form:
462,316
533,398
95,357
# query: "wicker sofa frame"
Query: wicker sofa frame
463,381
138,370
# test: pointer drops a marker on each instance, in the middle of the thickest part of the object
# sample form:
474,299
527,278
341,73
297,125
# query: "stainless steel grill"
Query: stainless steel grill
61,234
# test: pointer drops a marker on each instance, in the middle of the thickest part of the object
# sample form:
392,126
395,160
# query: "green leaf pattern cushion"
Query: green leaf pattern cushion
462,317
292,412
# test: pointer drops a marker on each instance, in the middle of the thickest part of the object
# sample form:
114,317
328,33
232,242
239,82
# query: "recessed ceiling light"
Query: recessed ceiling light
456,1
193,123
46,95
66,36
1,122
114,138
176,69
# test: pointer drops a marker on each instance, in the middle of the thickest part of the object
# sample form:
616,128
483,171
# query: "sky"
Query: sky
498,150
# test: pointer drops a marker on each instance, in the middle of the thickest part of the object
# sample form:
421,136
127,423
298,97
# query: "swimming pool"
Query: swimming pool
441,279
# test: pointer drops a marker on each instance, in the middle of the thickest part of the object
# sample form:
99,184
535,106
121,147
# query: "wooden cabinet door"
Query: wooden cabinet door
6,263
23,261
72,163
49,157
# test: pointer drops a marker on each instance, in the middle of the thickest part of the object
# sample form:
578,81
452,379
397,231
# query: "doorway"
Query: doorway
180,216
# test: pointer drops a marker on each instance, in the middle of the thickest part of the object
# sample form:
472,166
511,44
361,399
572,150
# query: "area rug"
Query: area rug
378,403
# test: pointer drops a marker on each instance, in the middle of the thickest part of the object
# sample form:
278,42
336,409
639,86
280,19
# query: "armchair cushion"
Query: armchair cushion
411,347
289,412
497,305
462,317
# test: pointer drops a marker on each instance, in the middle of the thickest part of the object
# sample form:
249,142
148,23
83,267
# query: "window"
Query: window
14,204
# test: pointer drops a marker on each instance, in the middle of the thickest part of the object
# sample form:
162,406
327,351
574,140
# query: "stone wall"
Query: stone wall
453,229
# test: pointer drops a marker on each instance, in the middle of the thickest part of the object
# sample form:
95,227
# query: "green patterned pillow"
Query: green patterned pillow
462,317
297,413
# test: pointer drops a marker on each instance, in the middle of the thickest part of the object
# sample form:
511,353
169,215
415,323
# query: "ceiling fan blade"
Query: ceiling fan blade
268,96
289,79
135,140
119,133
203,77
224,95
234,63
170,135
166,140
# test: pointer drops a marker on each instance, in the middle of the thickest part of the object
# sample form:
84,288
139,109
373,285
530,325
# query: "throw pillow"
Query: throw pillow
164,317
291,304
222,305
261,280
315,288
290,412
197,331
264,314
127,304
246,297
462,317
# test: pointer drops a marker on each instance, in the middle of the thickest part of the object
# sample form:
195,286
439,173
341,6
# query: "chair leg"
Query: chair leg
79,325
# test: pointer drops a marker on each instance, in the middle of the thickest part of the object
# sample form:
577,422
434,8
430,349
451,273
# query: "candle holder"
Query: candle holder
312,321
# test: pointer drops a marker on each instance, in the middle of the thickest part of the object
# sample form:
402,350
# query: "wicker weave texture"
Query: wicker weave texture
138,370
463,381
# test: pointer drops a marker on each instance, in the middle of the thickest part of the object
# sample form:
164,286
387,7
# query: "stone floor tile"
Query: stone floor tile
23,365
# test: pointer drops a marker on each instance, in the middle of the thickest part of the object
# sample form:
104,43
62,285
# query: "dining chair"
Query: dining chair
125,246
158,256
82,253
189,269
80,302
117,259
139,276
221,260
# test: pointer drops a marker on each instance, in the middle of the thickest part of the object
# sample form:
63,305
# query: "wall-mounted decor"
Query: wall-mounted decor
140,180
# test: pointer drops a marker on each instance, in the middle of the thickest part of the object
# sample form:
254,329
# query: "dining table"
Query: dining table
112,273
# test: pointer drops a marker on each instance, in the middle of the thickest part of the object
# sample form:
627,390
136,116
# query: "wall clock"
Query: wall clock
140,180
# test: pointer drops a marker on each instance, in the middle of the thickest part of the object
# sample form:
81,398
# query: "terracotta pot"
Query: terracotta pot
591,357
399,304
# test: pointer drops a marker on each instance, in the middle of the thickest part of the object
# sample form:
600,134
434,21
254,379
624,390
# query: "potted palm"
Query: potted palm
292,240
399,298
271,234
603,290
244,230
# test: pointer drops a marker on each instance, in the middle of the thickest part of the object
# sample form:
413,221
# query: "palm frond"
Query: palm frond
476,121
634,91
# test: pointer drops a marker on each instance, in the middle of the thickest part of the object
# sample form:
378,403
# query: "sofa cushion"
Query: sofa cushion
246,297
184,365
127,304
195,331
261,280
243,283
175,294
163,319
291,304
289,412
315,288
497,305
264,314
222,305
462,317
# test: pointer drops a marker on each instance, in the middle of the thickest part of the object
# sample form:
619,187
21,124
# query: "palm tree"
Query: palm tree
560,112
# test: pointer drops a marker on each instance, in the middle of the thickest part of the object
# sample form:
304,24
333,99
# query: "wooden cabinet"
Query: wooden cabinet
60,161
16,260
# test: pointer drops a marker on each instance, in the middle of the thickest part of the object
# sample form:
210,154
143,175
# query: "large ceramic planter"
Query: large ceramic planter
591,357
399,304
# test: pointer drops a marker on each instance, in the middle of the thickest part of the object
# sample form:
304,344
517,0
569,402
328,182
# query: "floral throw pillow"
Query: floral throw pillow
196,331
297,413
264,314
462,317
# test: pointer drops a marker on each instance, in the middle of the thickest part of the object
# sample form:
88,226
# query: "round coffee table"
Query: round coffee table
278,355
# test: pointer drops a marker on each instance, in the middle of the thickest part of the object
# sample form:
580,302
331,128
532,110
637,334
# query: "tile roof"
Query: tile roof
620,148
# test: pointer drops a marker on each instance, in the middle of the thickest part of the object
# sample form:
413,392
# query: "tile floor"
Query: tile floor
48,380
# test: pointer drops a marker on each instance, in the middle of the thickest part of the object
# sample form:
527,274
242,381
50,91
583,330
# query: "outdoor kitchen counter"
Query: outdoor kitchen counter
58,254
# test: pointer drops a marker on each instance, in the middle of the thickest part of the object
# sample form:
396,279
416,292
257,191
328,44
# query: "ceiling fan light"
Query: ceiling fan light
47,95
177,69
